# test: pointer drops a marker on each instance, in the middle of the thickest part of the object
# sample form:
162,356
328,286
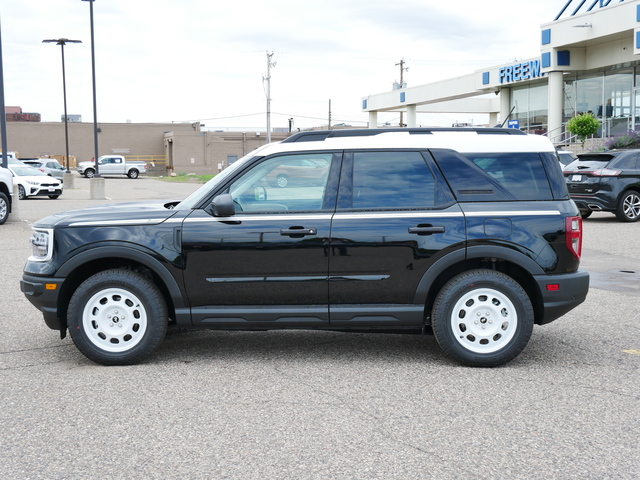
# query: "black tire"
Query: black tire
53,197
585,213
482,318
89,172
133,173
629,207
4,208
117,317
21,193
282,180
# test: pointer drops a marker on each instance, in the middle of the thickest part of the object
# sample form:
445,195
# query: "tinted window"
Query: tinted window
283,183
391,180
521,174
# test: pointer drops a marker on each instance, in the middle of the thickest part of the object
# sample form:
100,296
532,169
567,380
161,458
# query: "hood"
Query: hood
133,213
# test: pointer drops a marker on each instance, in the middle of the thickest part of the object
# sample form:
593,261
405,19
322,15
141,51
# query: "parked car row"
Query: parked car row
33,177
606,182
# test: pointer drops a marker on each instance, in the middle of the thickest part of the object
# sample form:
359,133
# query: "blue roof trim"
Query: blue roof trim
599,3
546,59
638,40
546,36
364,104
402,97
638,13
485,78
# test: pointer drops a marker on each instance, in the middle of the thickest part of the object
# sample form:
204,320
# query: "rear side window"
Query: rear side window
494,177
391,179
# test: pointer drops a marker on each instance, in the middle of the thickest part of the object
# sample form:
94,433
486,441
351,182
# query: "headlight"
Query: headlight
41,245
33,182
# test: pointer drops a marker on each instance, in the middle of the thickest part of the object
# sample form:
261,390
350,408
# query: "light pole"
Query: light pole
93,74
62,42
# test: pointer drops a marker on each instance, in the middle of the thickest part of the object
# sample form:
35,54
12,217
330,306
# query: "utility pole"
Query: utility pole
402,70
268,80
329,114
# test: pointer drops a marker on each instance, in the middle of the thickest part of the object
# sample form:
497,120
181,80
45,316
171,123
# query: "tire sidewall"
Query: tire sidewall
4,203
468,282
620,213
149,296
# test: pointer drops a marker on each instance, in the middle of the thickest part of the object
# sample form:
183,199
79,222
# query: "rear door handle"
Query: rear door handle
298,232
427,229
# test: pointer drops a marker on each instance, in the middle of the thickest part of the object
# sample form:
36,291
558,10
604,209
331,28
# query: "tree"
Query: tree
583,126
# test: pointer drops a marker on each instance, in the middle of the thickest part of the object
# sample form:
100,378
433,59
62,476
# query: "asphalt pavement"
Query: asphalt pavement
323,405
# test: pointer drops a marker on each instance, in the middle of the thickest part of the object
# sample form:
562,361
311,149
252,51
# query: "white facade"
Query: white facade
589,62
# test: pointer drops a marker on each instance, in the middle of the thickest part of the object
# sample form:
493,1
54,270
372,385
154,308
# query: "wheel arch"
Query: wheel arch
510,262
82,266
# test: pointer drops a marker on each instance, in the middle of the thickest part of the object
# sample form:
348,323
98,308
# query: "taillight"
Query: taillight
606,172
573,235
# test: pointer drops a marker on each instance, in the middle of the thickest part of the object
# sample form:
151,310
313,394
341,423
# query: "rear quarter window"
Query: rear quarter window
494,177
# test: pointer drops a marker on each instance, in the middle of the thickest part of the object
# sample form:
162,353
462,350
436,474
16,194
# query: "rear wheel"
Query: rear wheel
133,173
629,207
482,318
586,213
117,317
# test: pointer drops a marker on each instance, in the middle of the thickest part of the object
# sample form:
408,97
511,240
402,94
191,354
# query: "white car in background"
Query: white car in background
34,183
50,166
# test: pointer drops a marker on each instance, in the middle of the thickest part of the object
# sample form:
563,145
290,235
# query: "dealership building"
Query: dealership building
589,62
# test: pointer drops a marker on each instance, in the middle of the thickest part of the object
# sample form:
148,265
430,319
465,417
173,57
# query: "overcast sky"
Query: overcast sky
204,60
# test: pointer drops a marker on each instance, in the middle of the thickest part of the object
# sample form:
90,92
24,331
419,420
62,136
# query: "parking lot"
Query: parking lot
324,405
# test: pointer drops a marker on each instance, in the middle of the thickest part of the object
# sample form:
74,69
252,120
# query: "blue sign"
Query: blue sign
513,124
520,71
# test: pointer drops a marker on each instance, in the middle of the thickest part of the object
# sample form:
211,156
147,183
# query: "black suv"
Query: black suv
607,181
469,234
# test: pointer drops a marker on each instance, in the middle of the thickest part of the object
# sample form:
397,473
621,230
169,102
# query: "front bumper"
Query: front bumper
561,293
43,294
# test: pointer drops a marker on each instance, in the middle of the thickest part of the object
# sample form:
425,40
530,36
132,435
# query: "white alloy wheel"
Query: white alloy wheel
484,320
115,320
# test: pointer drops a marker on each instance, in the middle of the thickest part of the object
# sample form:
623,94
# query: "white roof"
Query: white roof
459,140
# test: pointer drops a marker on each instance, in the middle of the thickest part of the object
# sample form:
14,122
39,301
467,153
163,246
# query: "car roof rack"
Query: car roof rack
321,135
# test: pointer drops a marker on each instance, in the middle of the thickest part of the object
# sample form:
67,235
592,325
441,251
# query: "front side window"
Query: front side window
391,180
283,183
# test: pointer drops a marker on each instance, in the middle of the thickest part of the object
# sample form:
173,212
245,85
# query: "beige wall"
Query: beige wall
207,152
34,139
187,149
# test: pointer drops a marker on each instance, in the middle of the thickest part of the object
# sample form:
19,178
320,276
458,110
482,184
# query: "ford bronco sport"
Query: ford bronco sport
468,234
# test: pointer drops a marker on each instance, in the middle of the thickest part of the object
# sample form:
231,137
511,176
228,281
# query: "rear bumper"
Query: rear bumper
570,292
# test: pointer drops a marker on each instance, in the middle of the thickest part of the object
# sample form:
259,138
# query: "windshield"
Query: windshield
196,197
26,171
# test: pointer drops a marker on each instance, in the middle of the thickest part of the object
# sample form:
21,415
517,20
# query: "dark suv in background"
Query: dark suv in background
606,181
469,234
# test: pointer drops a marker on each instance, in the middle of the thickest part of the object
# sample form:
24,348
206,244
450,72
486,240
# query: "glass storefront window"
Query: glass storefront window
589,93
531,110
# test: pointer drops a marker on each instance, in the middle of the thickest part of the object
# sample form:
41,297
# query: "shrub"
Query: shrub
631,139
583,126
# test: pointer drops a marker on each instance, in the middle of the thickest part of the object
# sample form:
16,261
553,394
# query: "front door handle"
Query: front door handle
298,232
426,229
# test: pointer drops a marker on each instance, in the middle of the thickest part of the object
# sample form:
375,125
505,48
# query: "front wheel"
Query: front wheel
133,173
629,207
22,194
117,317
53,197
482,318
89,172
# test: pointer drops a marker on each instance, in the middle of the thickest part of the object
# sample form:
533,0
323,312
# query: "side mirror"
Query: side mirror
221,206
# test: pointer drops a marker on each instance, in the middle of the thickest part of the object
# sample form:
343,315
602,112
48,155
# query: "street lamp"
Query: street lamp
62,42
93,74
